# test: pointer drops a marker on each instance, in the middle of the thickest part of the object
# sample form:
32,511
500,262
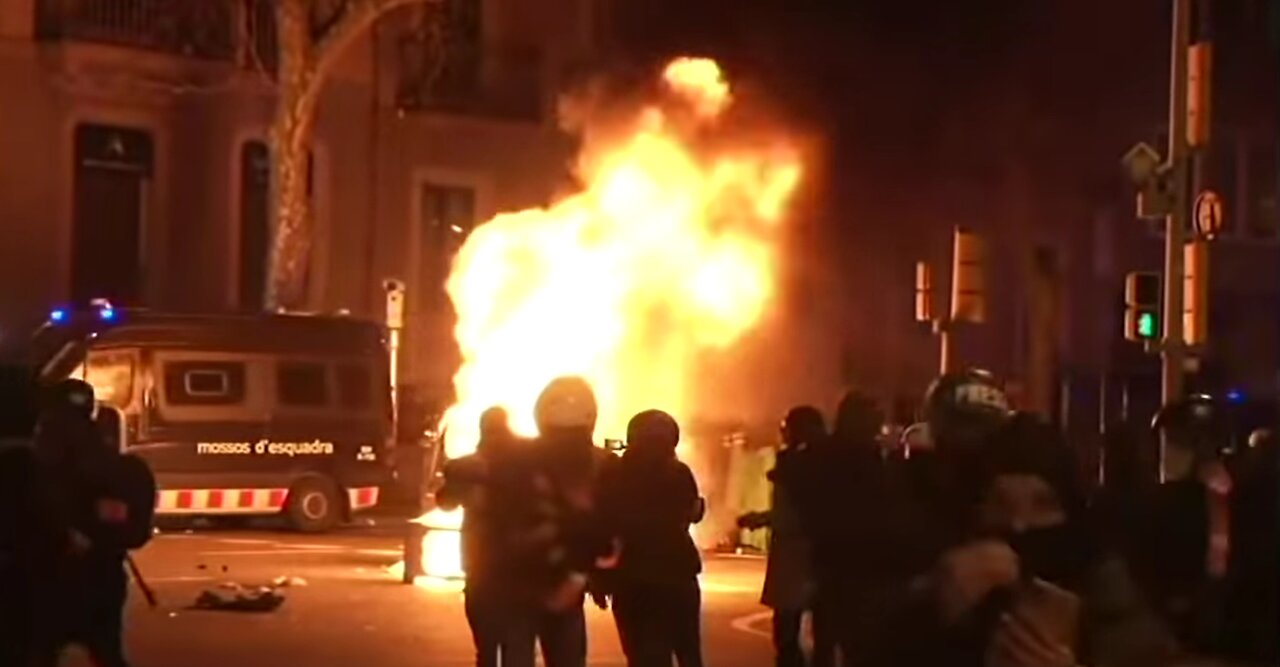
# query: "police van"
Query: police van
238,414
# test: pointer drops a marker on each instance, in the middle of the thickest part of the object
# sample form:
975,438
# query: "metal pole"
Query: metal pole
1102,404
1173,348
393,374
944,351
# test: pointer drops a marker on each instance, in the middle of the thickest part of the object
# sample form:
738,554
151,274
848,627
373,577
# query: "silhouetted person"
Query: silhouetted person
547,522
468,483
29,538
1189,538
1025,583
648,501
108,501
788,582
1254,575
856,513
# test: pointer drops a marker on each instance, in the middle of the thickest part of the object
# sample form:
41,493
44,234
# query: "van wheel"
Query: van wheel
314,505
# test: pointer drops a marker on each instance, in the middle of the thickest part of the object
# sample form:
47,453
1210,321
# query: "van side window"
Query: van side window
203,382
354,390
302,385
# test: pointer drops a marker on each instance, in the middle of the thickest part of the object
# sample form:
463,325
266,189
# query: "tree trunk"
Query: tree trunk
290,141
304,62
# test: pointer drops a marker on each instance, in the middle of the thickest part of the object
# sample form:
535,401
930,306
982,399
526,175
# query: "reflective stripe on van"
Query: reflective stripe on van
362,498
244,501
220,501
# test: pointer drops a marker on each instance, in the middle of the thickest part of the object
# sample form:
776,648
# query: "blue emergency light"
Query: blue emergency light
58,316
1235,396
107,314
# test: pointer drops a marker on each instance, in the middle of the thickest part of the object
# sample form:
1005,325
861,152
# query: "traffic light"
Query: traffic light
968,284
924,292
1195,295
1142,306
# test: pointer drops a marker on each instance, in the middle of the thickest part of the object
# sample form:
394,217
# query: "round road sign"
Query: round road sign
1207,214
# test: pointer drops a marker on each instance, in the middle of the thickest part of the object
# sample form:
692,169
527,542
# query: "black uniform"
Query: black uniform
469,482
648,501
99,505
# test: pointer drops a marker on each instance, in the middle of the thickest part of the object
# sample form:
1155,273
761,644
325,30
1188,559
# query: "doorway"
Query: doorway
113,169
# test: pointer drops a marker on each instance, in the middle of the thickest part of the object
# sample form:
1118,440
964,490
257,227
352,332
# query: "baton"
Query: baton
147,593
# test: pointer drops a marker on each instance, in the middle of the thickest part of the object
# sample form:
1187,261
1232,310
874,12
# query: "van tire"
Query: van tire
314,505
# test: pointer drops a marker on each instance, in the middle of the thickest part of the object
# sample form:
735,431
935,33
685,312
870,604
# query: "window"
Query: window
448,216
204,383
440,57
355,388
1263,219
111,375
300,384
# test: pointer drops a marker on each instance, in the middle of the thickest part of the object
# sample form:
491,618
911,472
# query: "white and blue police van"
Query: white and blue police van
253,414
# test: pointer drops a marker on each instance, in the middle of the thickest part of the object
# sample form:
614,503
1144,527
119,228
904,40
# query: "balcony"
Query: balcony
202,29
505,84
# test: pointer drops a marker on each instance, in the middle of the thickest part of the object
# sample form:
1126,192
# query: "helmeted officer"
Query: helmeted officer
106,501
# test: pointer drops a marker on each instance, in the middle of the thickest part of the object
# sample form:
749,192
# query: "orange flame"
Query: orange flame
667,252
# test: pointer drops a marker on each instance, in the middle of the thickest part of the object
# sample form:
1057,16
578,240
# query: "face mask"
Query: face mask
1057,554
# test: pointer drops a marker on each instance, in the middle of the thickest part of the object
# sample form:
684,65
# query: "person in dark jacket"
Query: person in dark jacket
1189,538
548,525
1253,609
788,581
648,501
107,501
467,484
856,508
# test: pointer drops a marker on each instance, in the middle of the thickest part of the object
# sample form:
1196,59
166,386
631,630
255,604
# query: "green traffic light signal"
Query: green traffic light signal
1147,325
1141,324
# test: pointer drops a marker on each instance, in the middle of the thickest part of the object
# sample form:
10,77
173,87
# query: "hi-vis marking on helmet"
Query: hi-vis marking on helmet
983,395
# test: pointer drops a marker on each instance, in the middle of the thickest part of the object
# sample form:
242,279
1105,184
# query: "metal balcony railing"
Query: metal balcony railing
206,29
506,84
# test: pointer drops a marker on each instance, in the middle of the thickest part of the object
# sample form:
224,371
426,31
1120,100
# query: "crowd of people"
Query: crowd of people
71,508
984,548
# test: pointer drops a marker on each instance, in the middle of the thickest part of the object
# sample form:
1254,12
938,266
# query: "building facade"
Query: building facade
134,162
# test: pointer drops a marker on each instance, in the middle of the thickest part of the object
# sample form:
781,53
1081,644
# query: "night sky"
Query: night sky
1006,116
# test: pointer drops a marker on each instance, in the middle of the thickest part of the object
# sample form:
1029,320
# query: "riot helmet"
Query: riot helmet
1194,429
963,409
653,432
71,396
803,426
567,403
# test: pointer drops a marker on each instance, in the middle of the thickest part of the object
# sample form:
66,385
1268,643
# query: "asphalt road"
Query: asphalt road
352,609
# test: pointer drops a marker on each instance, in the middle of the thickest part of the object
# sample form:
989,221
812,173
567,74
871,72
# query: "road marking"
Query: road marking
713,587
747,623
161,580
267,552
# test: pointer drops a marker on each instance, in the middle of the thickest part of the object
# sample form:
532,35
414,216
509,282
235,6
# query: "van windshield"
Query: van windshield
56,351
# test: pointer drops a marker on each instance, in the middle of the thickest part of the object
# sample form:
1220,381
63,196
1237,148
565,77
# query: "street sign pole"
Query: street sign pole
1173,351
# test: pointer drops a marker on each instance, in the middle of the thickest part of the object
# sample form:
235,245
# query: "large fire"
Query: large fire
667,251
